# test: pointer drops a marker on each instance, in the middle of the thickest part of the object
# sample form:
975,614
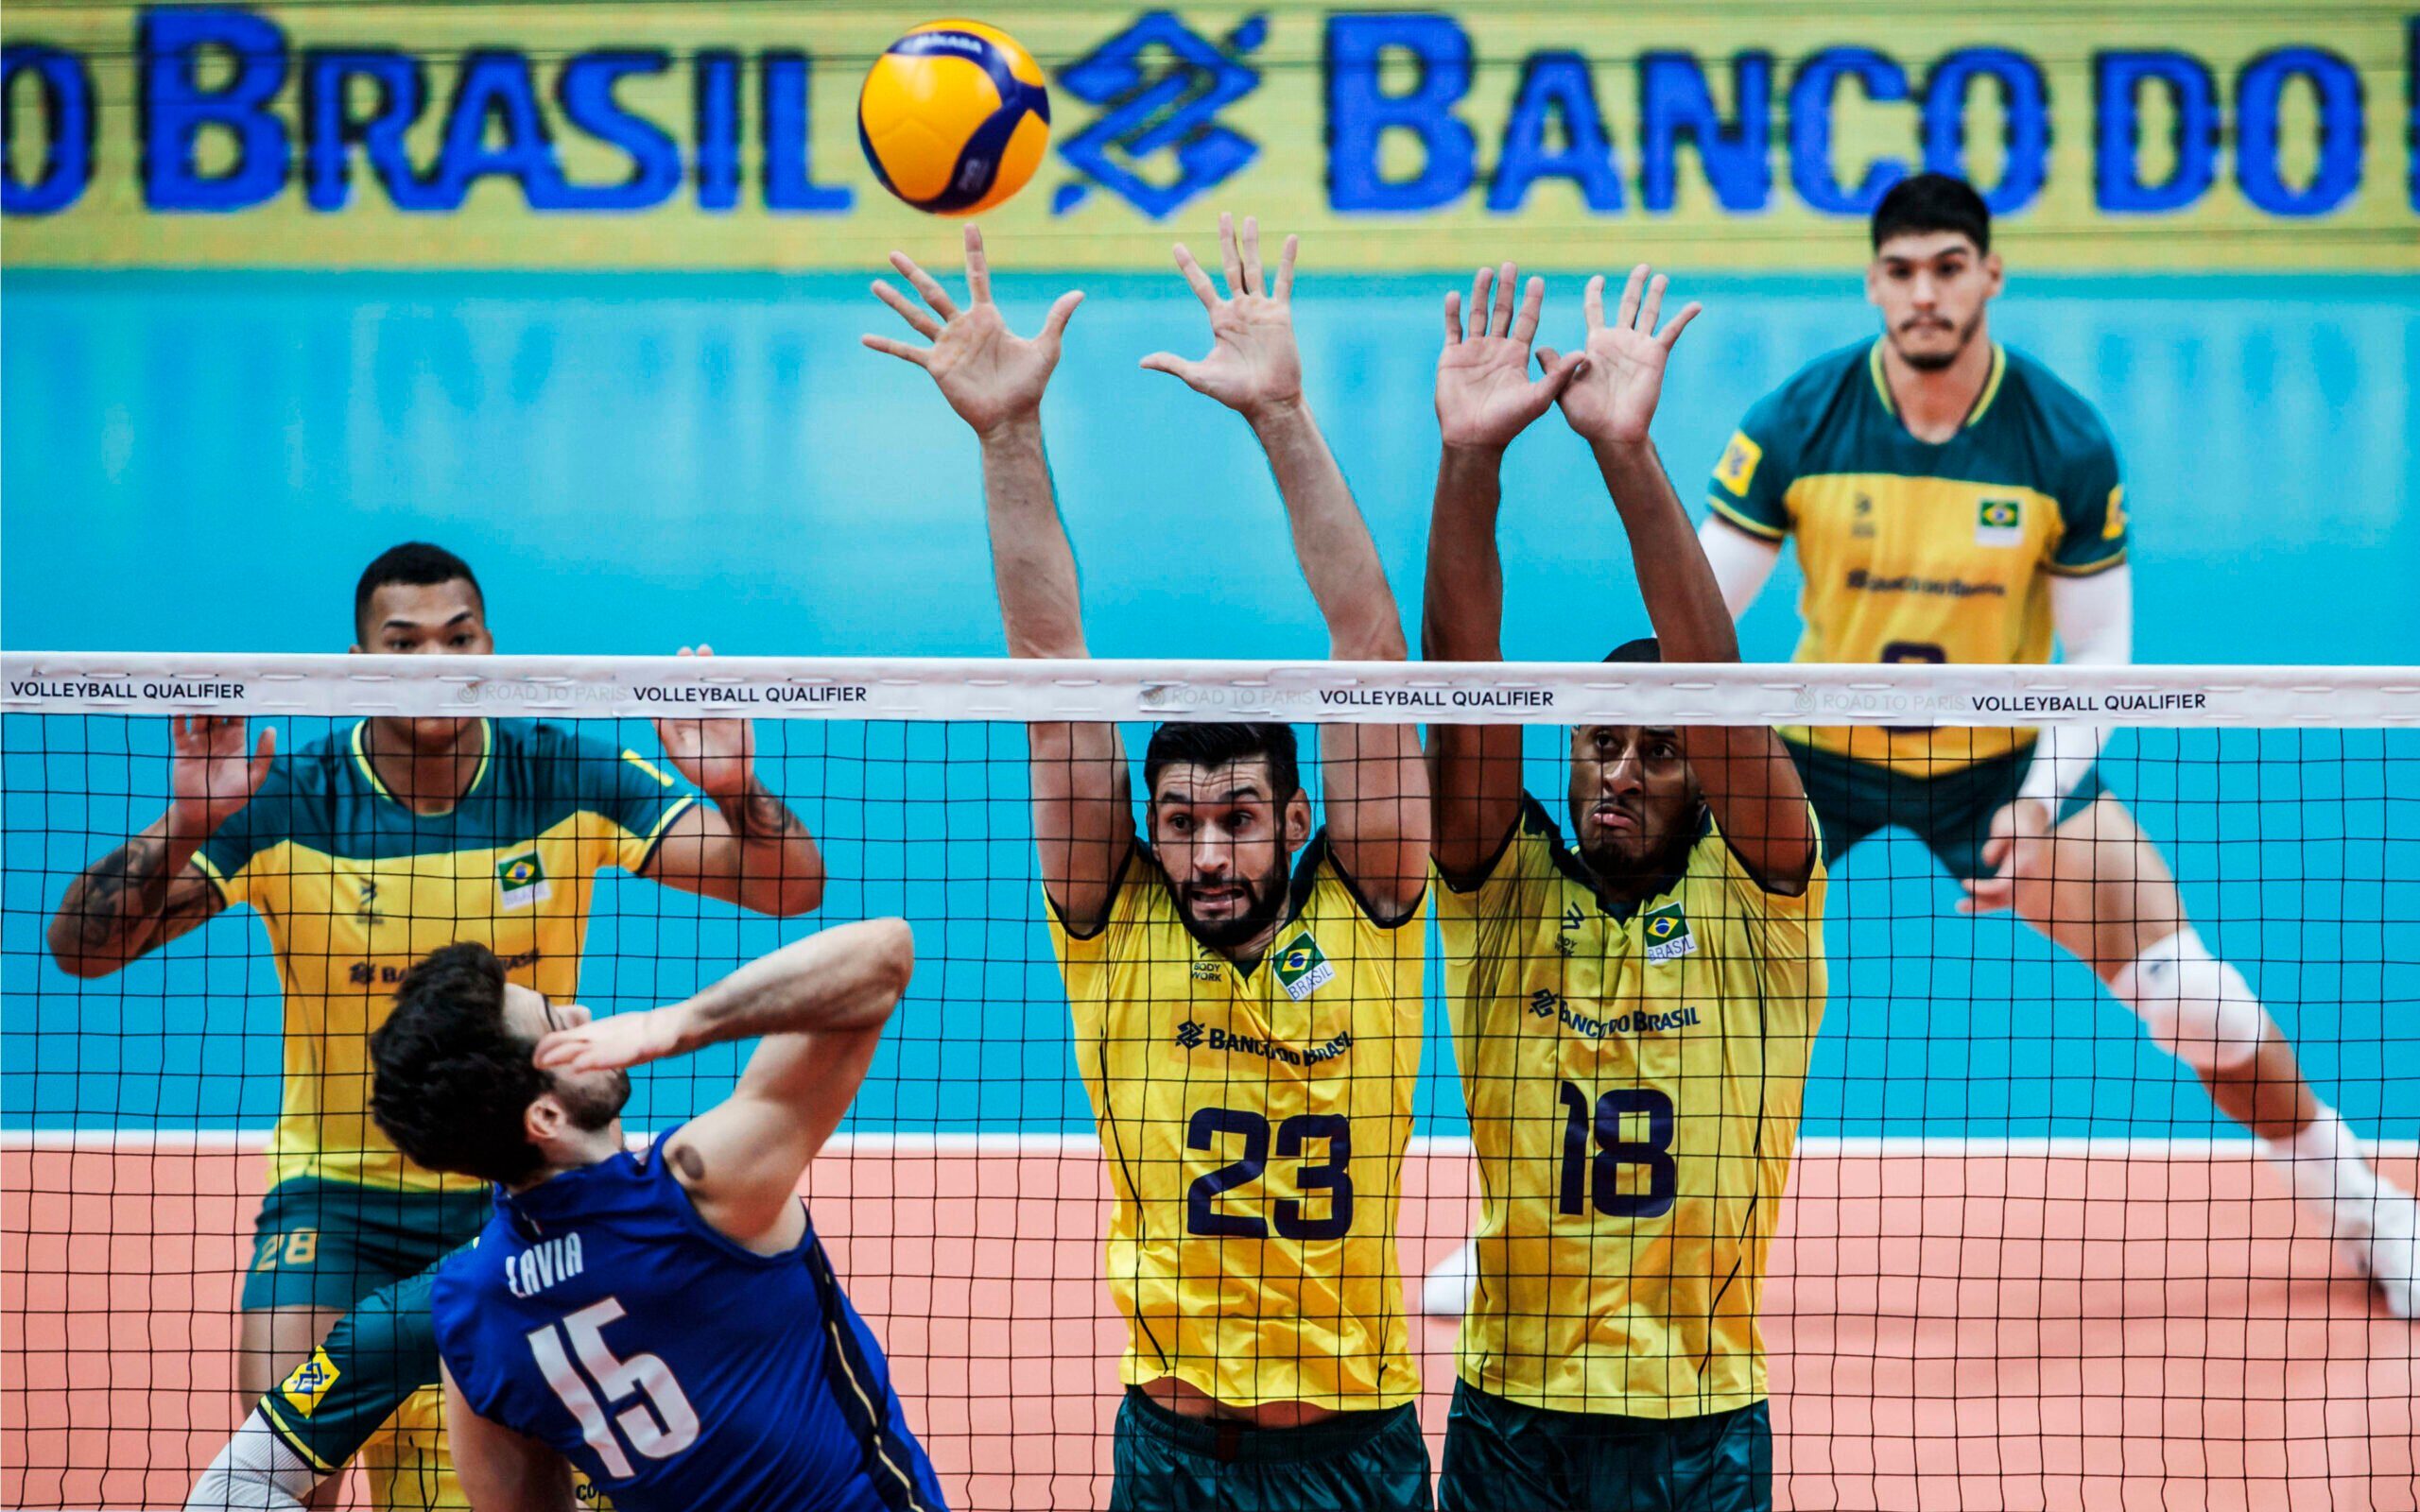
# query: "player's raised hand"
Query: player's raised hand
1485,396
2022,847
718,756
212,775
1255,365
991,375
1613,397
617,1044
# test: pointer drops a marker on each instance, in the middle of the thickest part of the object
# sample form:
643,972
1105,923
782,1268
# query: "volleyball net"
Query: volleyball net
2022,1259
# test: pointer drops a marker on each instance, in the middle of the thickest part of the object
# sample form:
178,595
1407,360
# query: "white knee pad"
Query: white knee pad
2197,1007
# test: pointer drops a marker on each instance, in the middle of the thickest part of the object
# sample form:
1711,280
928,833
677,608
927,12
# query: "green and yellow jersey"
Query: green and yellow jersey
355,888
1634,1080
1916,552
1254,1120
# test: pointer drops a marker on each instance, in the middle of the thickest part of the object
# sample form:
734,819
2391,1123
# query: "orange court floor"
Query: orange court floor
1979,1326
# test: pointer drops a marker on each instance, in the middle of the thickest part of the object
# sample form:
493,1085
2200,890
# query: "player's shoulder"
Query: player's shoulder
453,1288
2051,406
1807,396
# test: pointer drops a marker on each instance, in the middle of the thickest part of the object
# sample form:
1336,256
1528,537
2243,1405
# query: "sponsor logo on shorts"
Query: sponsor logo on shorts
521,881
1302,968
310,1382
1668,934
2000,522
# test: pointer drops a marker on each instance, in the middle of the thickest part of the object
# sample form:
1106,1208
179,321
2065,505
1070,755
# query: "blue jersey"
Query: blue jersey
601,1315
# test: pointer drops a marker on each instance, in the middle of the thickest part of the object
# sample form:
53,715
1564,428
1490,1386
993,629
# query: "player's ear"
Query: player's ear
1874,282
1298,821
543,1119
1995,274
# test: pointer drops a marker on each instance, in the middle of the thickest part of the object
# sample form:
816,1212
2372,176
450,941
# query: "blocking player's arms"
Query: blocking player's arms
820,1005
501,1471
1376,788
1084,818
744,845
1748,779
148,891
1485,398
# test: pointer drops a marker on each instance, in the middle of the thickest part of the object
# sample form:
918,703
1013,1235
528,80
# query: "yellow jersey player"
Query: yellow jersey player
1249,1039
362,852
1633,1007
1952,500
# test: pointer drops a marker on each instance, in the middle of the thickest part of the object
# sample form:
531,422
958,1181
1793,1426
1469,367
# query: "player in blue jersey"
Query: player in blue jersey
664,1321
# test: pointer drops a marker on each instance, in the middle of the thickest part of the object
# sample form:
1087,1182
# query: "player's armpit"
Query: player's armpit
500,1470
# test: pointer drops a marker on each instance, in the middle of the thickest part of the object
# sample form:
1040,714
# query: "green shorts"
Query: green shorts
1501,1455
1951,813
1365,1461
372,1362
330,1244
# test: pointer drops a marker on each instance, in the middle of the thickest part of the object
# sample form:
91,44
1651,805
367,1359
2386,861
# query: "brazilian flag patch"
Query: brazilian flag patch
2000,522
1302,968
310,1382
1668,934
521,881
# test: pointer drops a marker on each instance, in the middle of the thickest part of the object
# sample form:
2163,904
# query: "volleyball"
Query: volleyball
954,117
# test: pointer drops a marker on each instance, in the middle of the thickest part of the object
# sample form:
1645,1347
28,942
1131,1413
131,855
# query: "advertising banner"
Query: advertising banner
2160,134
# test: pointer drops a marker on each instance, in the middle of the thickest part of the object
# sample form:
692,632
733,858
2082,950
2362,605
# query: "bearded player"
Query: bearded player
361,853
1249,1041
1633,1008
1952,500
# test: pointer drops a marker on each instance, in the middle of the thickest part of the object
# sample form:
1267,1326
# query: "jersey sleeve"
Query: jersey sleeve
242,858
1751,484
376,1357
637,797
2092,512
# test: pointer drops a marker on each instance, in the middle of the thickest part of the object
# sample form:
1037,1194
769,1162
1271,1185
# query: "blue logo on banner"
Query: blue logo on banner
1148,112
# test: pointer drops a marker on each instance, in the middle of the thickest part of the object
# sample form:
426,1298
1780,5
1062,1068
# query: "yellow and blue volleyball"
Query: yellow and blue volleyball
954,117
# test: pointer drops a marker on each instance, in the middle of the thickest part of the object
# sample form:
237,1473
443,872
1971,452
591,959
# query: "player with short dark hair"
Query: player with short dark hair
666,1319
362,852
1250,1039
1633,1007
1953,501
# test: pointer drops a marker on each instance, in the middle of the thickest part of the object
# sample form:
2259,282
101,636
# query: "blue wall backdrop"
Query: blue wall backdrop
635,463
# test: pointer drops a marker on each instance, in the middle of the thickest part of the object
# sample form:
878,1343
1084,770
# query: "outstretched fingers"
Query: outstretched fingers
1679,322
1286,267
1054,325
1593,301
1253,283
908,310
1231,257
1534,300
1558,368
1202,288
1507,283
925,285
978,267
1174,366
894,349
1626,314
1453,317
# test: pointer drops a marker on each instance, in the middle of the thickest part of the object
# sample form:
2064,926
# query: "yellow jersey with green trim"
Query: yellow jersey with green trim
1917,552
354,888
1634,1080
1254,1120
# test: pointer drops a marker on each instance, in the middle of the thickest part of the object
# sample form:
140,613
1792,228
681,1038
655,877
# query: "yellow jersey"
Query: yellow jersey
1917,552
354,888
1254,1120
1634,1080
